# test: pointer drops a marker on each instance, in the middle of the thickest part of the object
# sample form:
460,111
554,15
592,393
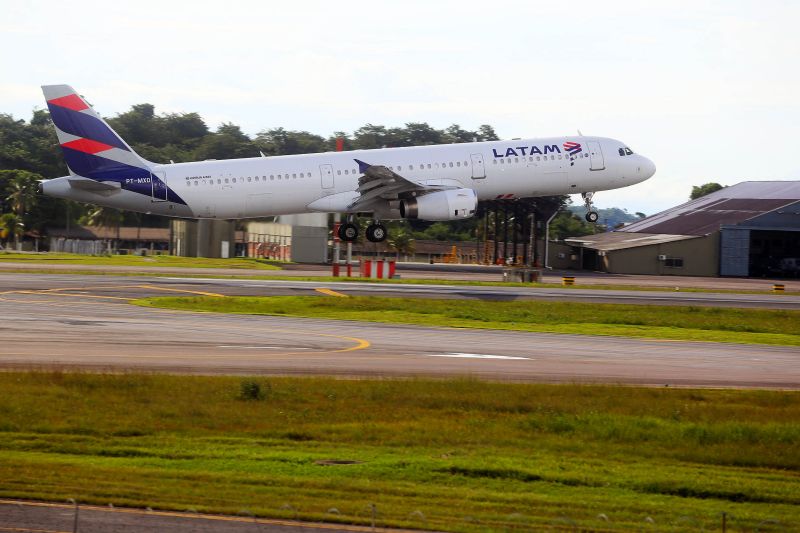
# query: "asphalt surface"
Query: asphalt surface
42,517
142,286
85,322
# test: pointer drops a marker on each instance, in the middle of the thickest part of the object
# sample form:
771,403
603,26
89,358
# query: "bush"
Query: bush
251,390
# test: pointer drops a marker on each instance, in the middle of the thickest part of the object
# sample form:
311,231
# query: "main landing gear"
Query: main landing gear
376,232
591,214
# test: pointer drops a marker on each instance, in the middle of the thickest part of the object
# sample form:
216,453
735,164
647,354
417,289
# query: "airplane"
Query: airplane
438,182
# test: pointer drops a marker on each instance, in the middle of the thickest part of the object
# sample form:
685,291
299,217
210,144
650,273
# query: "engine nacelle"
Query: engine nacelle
452,204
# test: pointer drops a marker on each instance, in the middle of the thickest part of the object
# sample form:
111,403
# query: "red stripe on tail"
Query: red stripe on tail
87,146
71,101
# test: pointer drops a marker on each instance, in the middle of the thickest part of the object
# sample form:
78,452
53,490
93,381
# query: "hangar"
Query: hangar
748,229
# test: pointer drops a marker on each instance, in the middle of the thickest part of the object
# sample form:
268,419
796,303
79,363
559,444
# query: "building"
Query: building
748,229
105,240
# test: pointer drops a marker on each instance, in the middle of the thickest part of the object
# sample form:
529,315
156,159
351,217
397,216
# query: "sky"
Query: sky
707,90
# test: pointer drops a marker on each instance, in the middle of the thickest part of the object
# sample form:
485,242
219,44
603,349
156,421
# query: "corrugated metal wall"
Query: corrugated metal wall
734,257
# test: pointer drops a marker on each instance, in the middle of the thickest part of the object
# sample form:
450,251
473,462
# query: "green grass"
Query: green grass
752,326
454,455
47,259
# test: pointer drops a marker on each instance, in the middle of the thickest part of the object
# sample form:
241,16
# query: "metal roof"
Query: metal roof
618,240
730,205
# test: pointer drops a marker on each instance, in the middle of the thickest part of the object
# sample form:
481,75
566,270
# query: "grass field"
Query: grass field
753,326
44,260
455,455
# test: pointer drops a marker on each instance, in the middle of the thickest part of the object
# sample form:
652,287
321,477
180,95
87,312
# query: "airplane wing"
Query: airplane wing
379,184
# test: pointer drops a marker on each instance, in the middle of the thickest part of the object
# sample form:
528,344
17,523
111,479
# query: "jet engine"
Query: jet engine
451,204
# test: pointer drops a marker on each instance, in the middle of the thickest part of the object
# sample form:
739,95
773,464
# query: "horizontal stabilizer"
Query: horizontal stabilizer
99,187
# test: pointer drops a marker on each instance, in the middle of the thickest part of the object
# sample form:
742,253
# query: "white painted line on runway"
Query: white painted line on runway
476,356
259,347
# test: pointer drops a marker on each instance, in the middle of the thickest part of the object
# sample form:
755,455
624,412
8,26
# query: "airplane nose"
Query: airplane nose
647,168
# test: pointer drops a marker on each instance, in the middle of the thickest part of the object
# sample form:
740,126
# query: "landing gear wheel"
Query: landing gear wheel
591,214
376,233
348,232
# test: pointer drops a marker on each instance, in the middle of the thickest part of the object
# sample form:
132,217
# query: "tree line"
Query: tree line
29,152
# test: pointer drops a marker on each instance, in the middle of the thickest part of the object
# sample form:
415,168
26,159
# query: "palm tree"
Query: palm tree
11,226
401,242
21,187
105,217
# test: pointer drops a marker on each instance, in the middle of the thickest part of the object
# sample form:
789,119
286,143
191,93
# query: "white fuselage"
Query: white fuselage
265,186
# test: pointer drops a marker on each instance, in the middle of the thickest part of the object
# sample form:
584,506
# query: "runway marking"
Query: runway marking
360,344
201,293
477,356
198,516
233,347
330,292
50,293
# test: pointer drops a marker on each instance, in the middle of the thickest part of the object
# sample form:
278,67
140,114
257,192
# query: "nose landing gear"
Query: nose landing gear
591,214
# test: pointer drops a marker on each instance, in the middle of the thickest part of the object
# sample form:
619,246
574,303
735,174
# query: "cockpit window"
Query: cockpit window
621,151
628,151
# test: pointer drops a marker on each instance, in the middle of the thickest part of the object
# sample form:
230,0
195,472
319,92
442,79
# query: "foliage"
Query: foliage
445,455
698,191
757,326
19,189
11,226
568,224
104,217
612,217
250,389
401,241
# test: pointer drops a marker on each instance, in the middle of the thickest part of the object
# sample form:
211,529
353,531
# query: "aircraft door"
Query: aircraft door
596,161
478,168
158,182
326,172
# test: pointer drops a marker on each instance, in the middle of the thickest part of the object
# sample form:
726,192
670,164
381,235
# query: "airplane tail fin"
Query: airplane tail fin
91,148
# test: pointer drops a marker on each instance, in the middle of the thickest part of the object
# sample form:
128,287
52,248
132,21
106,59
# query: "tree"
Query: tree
20,187
702,190
421,134
227,143
278,141
105,217
401,241
11,226
566,224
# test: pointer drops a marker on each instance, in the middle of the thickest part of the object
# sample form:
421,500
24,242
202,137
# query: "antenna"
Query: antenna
579,133
262,153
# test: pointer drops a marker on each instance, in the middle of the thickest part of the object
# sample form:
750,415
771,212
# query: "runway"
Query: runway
254,287
86,322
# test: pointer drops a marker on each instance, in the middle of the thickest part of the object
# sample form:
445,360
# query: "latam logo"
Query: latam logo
572,149
527,150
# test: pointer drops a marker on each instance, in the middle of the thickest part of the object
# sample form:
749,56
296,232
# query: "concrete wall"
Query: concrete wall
309,244
203,238
700,258
563,257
